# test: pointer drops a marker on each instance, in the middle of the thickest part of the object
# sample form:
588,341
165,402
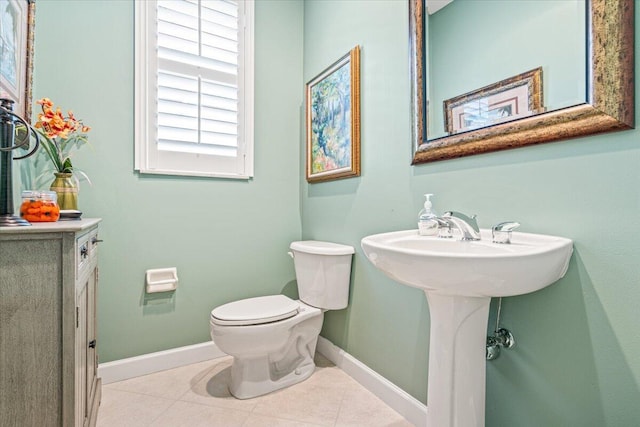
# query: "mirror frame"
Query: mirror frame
610,87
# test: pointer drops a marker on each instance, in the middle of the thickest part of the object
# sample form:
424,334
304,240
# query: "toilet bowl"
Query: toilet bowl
273,338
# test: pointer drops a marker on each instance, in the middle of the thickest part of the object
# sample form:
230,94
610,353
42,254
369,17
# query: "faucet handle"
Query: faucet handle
470,220
444,228
502,232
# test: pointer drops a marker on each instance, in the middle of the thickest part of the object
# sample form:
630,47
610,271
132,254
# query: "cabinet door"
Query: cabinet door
91,373
81,356
86,355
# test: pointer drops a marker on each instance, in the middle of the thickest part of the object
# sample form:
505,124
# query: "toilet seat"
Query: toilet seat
255,311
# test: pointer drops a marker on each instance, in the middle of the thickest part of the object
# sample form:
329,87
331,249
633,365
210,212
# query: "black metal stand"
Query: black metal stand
8,121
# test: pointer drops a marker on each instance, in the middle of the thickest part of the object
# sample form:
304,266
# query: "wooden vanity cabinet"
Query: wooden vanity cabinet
48,342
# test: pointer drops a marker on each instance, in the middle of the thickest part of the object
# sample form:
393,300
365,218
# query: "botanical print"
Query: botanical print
331,121
9,26
16,53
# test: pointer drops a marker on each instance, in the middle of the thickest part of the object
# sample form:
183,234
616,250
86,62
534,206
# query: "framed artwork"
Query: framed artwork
333,121
17,19
512,98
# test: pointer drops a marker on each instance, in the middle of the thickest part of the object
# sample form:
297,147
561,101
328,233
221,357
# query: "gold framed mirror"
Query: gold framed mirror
609,102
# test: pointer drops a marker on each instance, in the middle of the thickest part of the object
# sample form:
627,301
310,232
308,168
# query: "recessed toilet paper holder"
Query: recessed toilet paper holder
161,280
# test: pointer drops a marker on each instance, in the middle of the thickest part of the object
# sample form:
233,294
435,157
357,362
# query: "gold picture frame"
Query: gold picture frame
609,104
17,29
509,99
333,120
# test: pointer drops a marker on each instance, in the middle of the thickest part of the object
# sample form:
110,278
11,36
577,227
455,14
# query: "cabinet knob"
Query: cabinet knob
92,344
95,240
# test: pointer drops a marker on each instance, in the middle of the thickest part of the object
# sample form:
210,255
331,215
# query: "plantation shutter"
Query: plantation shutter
201,85
198,76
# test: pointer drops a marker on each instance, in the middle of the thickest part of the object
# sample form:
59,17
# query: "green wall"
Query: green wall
229,239
577,360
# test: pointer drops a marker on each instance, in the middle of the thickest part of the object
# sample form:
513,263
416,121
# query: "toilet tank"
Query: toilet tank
323,273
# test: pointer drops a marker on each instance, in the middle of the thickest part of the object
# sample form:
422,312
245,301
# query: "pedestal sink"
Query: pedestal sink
459,279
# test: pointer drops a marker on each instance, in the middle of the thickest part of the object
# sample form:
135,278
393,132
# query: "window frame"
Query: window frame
147,158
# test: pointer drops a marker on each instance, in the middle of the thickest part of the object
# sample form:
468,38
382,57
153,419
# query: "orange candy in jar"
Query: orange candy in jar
40,206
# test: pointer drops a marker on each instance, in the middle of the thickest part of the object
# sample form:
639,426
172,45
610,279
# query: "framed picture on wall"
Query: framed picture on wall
17,18
516,97
333,121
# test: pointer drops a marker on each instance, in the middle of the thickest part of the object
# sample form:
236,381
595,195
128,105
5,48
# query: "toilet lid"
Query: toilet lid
255,311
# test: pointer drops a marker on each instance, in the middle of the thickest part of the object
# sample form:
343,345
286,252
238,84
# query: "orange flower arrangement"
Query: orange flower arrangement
60,135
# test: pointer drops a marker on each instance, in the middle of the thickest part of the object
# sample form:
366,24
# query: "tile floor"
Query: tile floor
197,396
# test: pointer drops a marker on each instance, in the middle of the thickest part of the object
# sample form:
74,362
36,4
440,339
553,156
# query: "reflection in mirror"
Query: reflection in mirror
474,44
510,99
472,87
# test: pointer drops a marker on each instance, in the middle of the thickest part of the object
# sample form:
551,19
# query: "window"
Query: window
194,87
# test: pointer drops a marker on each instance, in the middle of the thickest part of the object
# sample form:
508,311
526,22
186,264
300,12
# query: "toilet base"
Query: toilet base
241,388
255,376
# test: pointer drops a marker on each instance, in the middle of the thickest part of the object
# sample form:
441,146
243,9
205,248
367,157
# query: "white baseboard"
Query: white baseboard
131,367
401,401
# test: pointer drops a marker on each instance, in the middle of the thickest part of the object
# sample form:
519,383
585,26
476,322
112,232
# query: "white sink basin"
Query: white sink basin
459,279
470,268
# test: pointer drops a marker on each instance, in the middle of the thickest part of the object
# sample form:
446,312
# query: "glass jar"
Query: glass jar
39,206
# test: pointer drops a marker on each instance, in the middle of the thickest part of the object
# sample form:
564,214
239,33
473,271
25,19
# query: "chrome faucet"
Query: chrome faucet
468,226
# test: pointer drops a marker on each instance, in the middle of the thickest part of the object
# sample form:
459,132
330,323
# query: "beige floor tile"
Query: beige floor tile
125,409
302,402
213,388
170,384
198,395
187,414
264,421
360,407
327,374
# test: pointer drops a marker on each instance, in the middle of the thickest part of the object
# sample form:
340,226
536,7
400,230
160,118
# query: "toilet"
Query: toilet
273,338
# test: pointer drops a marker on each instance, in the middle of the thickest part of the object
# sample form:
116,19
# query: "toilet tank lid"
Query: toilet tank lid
321,248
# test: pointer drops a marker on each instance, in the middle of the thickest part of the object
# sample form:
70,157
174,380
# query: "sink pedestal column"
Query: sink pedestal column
457,360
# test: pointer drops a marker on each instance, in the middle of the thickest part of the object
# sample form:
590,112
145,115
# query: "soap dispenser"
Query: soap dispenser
427,219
